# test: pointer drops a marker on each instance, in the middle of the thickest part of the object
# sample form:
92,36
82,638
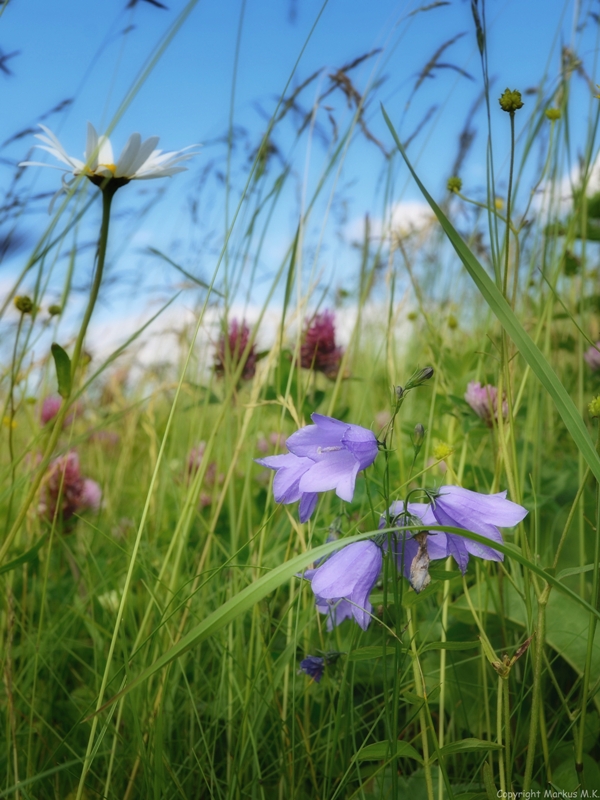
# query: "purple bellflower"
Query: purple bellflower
313,666
479,513
415,550
326,455
343,583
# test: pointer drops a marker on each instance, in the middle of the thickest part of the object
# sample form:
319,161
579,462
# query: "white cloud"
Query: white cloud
404,218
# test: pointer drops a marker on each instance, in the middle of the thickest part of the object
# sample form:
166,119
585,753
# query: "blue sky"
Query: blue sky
93,52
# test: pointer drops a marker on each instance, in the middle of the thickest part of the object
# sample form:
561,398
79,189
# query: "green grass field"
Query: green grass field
152,638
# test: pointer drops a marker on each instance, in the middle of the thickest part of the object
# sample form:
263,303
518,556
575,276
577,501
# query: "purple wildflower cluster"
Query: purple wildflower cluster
484,402
319,350
592,356
65,492
232,349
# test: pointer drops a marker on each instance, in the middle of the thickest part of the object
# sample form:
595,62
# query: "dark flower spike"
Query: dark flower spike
232,348
319,350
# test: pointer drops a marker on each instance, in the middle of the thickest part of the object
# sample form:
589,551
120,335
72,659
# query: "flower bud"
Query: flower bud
420,377
24,304
553,114
454,184
418,435
510,101
594,407
54,310
442,451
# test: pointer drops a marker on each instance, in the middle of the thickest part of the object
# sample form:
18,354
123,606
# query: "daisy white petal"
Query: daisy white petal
128,155
91,146
139,160
145,151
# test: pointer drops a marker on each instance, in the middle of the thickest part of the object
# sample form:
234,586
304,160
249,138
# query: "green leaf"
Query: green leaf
62,362
371,653
379,751
468,746
567,625
29,555
566,573
507,318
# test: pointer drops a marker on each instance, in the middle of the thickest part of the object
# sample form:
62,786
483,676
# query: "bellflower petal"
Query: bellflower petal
406,545
326,455
337,472
479,513
290,469
350,575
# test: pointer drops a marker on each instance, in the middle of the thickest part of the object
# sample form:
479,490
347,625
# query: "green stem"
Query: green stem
508,204
506,694
107,196
501,761
535,719
13,380
595,599
421,691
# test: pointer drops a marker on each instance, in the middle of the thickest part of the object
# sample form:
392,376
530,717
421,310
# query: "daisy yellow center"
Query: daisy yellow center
111,167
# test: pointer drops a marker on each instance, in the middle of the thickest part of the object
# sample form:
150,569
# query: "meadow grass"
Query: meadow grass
151,646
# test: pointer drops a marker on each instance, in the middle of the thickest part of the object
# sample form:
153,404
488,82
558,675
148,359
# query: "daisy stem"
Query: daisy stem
108,193
107,196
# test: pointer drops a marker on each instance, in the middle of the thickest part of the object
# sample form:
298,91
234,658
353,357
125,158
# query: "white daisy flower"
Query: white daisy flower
138,161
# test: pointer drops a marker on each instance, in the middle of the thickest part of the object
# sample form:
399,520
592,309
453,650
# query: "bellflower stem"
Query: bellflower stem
590,642
107,196
535,718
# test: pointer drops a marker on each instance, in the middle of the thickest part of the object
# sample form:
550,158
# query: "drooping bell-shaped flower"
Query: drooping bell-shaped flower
480,513
343,583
